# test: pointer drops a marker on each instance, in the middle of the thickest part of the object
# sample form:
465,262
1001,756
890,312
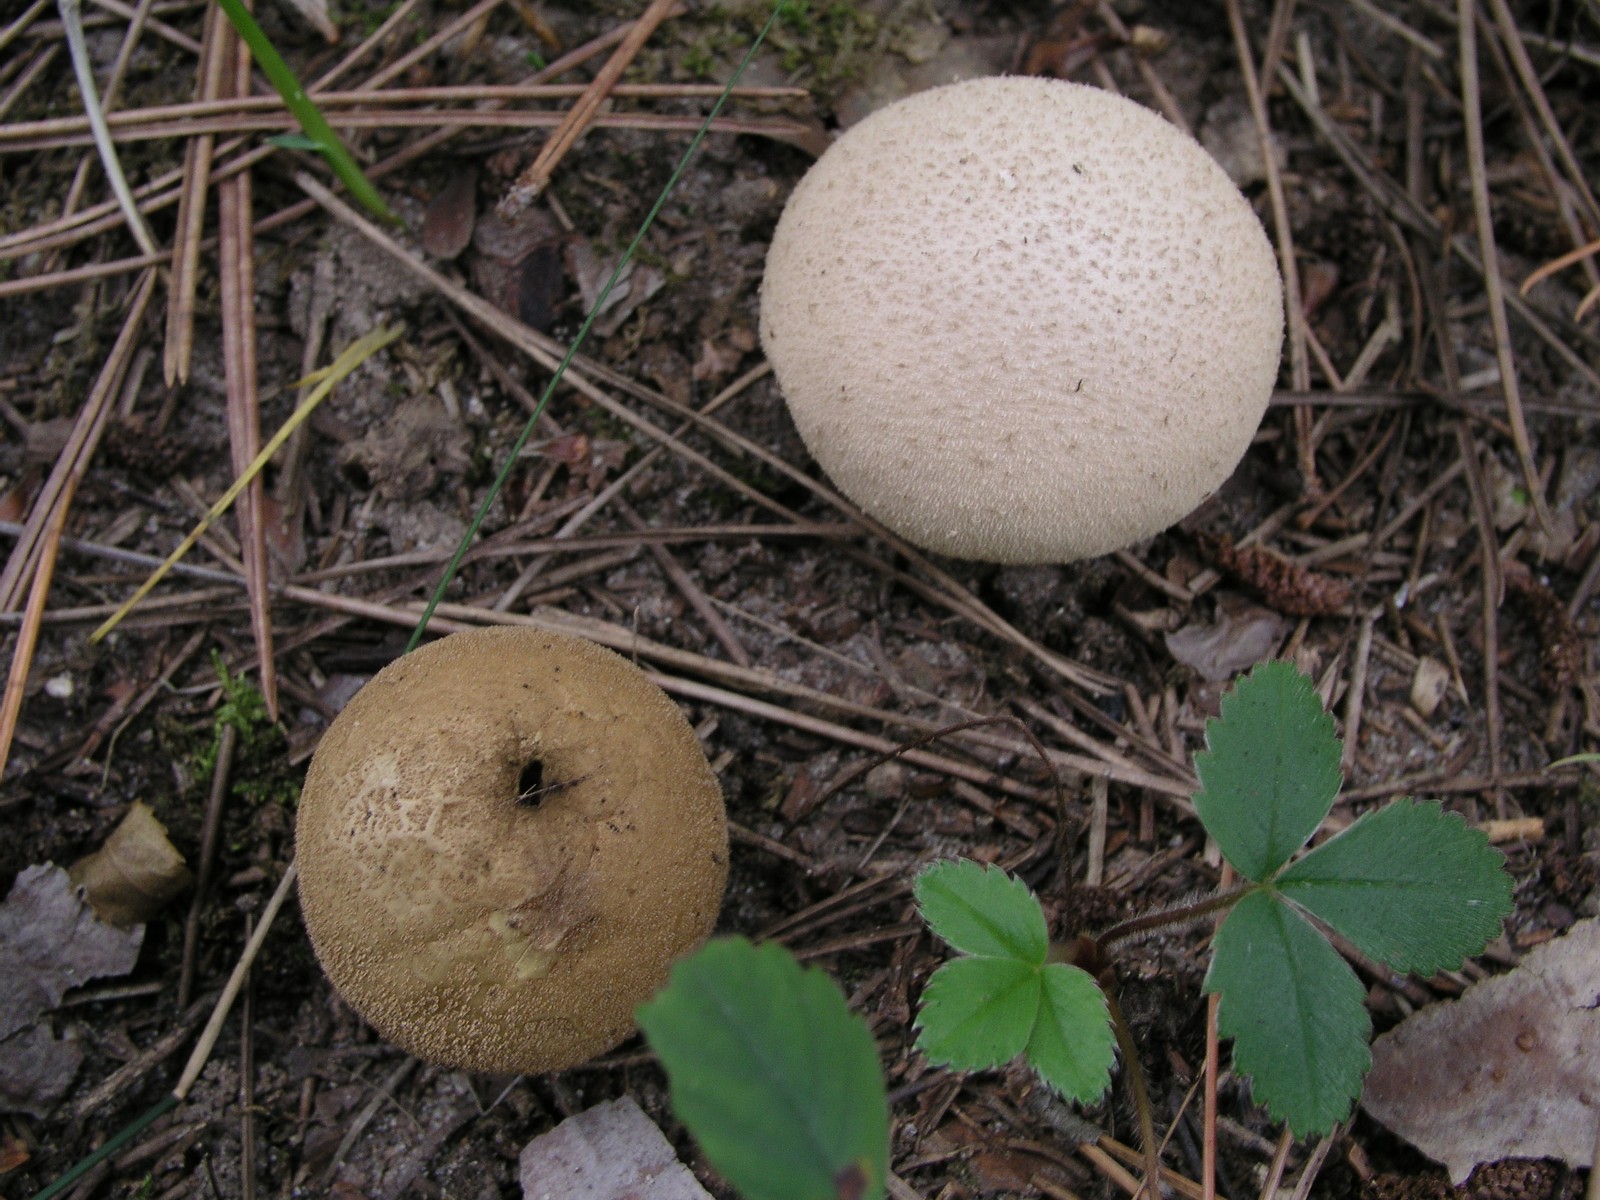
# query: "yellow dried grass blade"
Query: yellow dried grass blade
352,357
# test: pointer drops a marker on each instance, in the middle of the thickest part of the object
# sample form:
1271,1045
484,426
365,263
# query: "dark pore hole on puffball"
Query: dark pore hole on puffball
531,787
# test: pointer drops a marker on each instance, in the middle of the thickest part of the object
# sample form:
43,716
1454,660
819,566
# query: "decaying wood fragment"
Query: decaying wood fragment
1283,585
1561,643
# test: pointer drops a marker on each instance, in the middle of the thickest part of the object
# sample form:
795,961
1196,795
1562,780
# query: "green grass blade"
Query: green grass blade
305,110
1573,760
107,1149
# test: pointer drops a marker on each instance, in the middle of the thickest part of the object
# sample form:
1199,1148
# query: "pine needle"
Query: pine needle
353,356
72,25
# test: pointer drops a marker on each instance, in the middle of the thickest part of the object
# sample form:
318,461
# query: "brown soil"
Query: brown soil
1379,498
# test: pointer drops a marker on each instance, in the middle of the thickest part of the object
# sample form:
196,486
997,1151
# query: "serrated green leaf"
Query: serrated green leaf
1410,885
983,911
978,1012
775,1077
1294,1010
1270,772
1072,1046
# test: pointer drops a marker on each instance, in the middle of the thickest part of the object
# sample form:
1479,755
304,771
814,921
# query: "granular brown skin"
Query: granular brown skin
1521,1179
480,930
1432,1185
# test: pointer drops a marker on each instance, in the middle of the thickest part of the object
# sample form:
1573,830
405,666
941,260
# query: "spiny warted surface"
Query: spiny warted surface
1022,320
483,930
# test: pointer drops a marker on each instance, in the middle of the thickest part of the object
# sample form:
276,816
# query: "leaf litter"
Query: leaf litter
1510,1070
1342,235
50,942
612,1151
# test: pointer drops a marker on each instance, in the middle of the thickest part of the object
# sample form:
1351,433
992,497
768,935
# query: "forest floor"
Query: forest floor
1427,476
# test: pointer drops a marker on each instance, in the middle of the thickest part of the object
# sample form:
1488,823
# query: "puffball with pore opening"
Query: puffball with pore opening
1022,320
504,841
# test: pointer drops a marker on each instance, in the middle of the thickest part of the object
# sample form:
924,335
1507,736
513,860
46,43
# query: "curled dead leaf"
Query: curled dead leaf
1242,635
50,942
130,878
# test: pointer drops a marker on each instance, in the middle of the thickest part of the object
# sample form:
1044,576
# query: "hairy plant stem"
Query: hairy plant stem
1092,954
1172,918
1141,1097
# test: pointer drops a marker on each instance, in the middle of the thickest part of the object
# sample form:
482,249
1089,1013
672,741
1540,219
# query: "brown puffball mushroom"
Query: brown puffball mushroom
504,841
1022,320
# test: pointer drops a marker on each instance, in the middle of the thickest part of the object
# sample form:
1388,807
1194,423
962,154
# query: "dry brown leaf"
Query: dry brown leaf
1512,1069
518,265
36,1069
609,1152
50,941
452,216
130,878
1428,685
636,283
13,1152
1242,635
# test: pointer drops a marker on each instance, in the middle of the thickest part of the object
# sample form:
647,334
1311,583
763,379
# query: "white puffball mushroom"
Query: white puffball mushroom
1022,320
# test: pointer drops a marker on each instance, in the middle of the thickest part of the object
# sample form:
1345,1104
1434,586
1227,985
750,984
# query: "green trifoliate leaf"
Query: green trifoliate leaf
979,1012
1294,1011
1072,1044
1410,885
1004,1000
1270,772
775,1077
983,911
